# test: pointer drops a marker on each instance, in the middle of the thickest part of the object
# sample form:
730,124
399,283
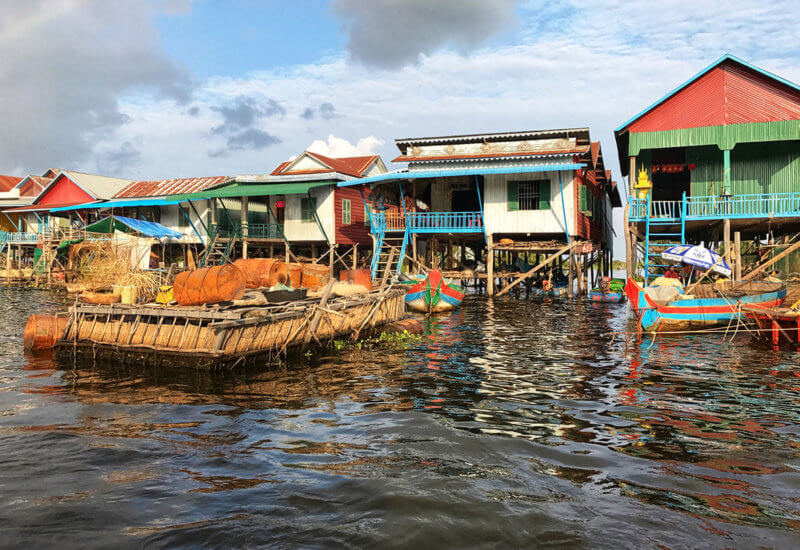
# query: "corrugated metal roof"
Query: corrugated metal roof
473,156
253,190
37,208
352,166
7,183
728,60
161,188
402,144
100,187
31,186
417,174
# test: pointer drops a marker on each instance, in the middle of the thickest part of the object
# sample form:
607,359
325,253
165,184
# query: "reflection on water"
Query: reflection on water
510,422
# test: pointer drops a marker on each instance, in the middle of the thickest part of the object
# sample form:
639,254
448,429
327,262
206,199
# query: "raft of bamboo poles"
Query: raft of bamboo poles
212,336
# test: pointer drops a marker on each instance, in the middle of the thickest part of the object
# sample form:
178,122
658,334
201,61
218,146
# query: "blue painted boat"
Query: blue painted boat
710,305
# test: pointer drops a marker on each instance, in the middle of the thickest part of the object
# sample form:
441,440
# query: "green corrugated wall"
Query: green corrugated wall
725,137
755,168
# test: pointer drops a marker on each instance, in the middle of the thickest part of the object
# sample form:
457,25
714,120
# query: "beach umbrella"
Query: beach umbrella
697,256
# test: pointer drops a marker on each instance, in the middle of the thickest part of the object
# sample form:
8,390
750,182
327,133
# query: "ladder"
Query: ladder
220,246
658,237
383,246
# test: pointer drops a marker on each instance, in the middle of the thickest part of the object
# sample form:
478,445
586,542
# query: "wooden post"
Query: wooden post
626,230
243,211
632,176
313,252
271,250
332,259
286,246
489,265
726,239
355,256
570,276
414,248
450,254
634,252
737,247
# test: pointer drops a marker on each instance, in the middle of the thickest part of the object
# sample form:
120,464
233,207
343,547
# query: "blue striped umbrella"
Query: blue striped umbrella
697,256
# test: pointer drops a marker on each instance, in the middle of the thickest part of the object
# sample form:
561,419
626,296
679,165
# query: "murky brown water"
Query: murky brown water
511,423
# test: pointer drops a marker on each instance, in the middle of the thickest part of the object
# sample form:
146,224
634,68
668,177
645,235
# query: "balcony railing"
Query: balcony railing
18,237
428,222
254,230
720,207
264,231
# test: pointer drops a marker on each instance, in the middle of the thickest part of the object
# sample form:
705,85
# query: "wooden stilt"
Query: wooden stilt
489,266
570,277
737,258
355,256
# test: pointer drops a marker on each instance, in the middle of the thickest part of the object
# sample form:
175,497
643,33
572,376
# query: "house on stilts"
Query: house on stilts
715,161
507,201
296,212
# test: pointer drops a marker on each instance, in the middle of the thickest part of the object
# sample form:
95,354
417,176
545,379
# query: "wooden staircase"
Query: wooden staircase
219,248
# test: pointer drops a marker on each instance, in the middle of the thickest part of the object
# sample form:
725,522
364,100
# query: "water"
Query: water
511,424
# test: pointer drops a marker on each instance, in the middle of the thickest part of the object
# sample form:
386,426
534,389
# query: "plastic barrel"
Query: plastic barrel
295,272
262,272
315,276
43,331
209,285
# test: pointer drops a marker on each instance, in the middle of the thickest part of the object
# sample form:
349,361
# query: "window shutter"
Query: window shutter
346,212
582,196
544,195
513,195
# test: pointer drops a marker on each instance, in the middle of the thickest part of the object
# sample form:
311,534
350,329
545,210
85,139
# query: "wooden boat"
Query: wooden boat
214,336
612,290
557,290
597,295
708,306
432,293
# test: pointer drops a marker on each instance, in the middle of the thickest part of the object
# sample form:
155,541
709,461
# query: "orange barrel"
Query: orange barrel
295,274
262,272
315,276
43,331
209,285
357,277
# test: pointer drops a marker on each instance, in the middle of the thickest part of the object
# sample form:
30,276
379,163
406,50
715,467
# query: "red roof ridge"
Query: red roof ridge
351,166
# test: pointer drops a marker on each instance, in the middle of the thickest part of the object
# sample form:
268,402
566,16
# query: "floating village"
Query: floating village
226,270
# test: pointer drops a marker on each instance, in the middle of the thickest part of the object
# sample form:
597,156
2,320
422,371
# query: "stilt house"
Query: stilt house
490,196
716,159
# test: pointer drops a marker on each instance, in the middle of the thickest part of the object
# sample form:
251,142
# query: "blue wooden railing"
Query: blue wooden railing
428,222
719,207
18,237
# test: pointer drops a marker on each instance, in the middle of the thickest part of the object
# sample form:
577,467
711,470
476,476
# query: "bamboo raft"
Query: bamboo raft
214,336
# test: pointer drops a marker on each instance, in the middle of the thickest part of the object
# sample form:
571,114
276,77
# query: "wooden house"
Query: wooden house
296,210
58,190
716,159
491,196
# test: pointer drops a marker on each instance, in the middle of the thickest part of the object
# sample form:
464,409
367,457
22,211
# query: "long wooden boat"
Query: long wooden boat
211,336
432,293
708,306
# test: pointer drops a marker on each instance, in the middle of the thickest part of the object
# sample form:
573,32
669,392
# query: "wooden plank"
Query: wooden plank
768,263
544,263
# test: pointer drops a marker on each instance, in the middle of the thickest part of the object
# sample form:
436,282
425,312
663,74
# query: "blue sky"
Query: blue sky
177,88
239,36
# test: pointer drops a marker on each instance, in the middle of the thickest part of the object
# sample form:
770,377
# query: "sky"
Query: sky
158,89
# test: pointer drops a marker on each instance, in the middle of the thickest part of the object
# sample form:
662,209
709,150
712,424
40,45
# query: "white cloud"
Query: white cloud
340,147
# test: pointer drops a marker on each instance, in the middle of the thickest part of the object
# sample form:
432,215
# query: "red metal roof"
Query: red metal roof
575,150
34,185
351,166
729,93
161,188
7,183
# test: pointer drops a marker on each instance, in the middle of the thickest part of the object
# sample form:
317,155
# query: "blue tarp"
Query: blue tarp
120,203
448,173
131,225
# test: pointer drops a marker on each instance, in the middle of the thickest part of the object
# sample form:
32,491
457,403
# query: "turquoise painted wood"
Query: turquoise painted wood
433,222
760,205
